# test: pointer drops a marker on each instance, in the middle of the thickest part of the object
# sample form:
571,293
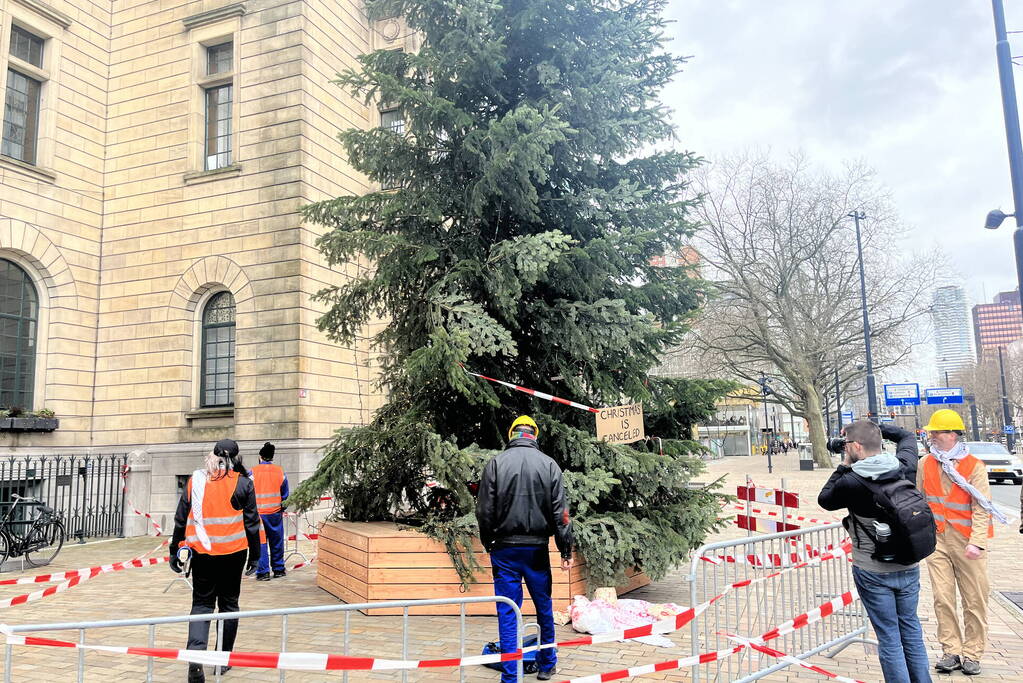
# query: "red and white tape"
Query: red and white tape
72,578
770,559
124,488
798,622
328,662
533,392
770,651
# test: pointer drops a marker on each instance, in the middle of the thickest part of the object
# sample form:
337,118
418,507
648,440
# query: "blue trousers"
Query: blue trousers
512,565
273,525
890,600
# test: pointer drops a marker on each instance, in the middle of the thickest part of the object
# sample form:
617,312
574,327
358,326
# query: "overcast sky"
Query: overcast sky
908,86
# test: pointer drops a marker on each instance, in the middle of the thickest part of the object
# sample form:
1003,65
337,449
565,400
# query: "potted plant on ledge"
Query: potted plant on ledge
14,418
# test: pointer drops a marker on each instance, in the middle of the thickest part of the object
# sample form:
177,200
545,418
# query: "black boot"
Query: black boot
195,674
278,573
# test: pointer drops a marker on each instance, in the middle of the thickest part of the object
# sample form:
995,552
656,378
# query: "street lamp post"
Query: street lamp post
1010,438
858,216
972,400
1003,51
765,390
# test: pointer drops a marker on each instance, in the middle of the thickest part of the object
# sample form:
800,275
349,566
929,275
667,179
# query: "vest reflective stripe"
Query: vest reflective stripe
224,525
268,479
956,508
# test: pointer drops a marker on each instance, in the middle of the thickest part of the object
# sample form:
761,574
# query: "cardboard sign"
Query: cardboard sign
620,424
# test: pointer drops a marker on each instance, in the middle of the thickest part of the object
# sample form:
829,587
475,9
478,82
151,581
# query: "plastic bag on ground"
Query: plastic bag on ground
597,617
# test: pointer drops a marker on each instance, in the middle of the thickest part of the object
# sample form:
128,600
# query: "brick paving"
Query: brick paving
138,593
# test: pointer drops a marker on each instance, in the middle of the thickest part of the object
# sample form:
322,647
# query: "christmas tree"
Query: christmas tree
530,191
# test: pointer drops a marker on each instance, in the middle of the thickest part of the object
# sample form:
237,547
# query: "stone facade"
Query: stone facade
126,235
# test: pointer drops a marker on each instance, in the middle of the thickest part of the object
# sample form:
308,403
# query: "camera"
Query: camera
836,445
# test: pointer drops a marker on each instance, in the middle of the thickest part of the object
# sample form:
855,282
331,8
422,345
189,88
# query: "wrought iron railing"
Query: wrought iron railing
85,489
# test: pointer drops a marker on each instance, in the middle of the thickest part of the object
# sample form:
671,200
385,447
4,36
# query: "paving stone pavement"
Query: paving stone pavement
138,593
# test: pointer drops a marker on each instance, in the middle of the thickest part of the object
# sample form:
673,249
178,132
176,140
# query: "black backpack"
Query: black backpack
905,509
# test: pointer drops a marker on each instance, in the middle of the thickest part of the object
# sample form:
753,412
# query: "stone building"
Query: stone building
155,271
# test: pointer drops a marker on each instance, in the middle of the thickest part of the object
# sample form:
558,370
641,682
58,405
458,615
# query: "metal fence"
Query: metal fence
85,489
80,628
751,611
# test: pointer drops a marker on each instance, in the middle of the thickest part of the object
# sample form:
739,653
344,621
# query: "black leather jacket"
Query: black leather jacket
522,500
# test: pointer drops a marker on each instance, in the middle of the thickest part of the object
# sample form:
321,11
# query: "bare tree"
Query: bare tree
781,250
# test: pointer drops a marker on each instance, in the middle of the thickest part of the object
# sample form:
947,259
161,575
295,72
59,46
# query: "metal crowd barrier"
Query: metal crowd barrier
754,610
284,614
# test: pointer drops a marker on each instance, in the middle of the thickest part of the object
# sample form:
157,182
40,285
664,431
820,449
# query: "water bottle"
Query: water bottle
883,534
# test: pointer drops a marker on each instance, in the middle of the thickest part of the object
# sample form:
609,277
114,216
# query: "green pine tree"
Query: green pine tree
526,207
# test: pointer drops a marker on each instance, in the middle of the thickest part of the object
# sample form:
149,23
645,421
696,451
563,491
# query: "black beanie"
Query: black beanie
226,448
267,451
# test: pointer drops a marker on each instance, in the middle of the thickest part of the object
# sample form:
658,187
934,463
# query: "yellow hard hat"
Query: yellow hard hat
945,420
523,420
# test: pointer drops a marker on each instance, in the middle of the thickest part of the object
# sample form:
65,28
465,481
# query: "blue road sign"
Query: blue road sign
902,394
887,419
847,417
1009,429
943,395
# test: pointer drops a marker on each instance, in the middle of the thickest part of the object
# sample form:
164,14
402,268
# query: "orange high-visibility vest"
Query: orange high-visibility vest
955,508
268,478
224,525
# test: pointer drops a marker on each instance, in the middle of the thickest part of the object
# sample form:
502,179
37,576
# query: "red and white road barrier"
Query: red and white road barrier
533,392
775,513
768,496
124,488
767,526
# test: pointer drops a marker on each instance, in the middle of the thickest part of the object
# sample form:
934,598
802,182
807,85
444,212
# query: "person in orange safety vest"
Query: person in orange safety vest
271,492
218,522
956,486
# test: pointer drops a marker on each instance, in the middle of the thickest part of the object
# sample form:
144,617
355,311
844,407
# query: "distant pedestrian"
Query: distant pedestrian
871,484
956,487
271,490
521,505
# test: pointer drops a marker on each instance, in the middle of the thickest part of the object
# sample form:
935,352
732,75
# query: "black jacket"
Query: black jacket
522,500
905,449
243,498
845,489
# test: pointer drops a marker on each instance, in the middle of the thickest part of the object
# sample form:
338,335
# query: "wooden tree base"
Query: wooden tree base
376,561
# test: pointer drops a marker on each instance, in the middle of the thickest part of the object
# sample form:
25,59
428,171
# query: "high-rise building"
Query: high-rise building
952,347
998,323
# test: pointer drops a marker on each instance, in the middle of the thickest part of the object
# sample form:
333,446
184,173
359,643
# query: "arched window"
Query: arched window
19,314
218,351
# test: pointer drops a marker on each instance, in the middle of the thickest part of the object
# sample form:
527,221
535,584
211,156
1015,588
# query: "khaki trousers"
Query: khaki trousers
949,568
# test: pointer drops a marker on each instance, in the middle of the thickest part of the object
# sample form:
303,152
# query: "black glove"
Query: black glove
251,565
175,563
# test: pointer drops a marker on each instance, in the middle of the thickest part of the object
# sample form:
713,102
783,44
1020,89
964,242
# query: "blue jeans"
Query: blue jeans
273,526
512,565
891,600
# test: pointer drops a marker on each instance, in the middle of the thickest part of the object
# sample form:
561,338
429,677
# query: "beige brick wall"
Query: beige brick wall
130,239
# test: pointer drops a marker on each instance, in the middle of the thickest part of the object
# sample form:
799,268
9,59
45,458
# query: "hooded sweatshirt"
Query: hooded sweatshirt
845,489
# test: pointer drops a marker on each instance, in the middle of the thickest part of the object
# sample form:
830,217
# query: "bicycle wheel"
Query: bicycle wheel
5,546
44,542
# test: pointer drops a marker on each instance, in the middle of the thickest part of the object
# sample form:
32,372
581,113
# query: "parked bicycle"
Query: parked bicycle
38,540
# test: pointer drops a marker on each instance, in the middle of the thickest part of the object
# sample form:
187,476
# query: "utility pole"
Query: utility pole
1010,438
765,390
947,385
858,216
1003,51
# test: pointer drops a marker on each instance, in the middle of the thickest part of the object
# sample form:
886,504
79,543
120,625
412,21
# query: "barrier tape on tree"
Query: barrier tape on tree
124,488
310,661
532,392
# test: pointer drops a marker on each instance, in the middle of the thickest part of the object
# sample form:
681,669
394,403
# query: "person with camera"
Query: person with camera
957,490
892,530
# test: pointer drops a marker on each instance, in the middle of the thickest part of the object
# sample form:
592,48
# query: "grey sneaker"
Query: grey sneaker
971,667
948,664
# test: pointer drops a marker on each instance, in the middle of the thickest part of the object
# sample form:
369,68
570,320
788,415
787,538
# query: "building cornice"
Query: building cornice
48,12
209,16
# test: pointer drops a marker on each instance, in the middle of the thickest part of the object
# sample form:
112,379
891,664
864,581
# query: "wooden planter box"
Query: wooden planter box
376,561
